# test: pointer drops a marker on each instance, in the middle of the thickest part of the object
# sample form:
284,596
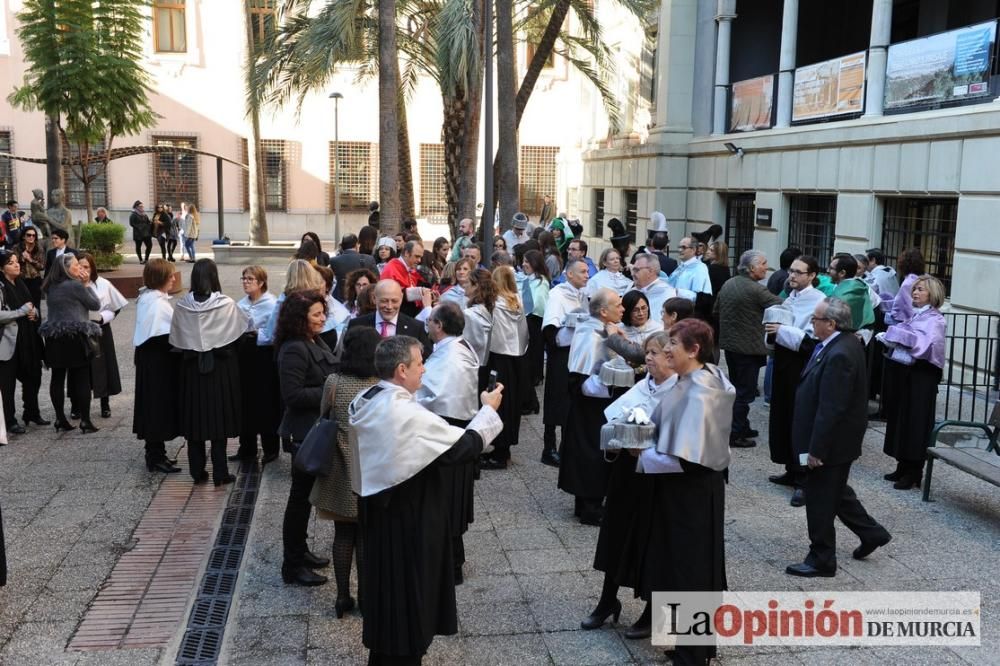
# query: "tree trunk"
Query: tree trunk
469,165
507,182
53,156
255,179
453,136
388,128
407,207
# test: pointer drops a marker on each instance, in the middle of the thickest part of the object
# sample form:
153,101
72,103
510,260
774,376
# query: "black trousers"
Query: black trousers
197,461
79,390
12,372
171,246
295,527
248,445
162,242
827,497
148,243
744,370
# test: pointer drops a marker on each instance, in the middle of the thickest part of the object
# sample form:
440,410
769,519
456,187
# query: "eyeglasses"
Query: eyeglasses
792,271
685,247
814,318
248,279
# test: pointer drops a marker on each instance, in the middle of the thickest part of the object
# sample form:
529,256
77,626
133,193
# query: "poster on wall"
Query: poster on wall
831,88
950,66
752,103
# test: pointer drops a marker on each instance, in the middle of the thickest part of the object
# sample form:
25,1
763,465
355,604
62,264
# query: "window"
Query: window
811,224
73,192
538,177
274,159
358,161
432,188
927,224
740,211
599,213
262,17
169,29
550,62
647,72
6,169
631,212
175,175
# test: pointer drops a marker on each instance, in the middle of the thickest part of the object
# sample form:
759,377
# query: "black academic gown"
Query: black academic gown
408,569
583,471
788,366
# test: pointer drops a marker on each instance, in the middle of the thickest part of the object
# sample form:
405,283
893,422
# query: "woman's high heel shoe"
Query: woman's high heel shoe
62,425
343,605
87,427
596,619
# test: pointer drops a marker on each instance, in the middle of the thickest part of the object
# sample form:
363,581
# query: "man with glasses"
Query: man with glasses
577,251
691,276
646,278
793,344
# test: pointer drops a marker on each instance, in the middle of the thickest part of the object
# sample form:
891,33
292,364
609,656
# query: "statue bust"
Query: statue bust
38,216
59,216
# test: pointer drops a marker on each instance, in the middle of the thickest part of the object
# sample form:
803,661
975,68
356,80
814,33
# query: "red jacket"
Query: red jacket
397,270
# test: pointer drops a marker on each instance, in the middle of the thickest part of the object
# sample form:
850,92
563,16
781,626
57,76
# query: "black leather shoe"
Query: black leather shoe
907,481
785,479
105,413
750,434
742,443
86,427
16,429
809,571
64,426
550,457
200,478
343,605
224,481
314,561
894,476
74,415
301,576
162,466
600,615
639,631
798,498
492,463
592,518
866,549
268,458
37,420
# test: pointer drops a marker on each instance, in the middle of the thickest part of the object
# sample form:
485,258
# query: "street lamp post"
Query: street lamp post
336,97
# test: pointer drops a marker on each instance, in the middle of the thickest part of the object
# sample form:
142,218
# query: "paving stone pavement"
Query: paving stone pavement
72,502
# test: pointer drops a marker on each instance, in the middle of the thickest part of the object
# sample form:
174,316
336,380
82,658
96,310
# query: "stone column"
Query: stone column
786,63
878,49
724,17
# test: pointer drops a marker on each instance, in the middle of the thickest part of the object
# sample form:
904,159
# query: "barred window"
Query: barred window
740,219
538,177
433,200
927,224
169,29
599,212
631,211
812,222
274,159
358,162
73,195
175,176
262,17
6,169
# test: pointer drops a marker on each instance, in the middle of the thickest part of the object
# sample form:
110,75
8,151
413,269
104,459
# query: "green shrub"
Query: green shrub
102,240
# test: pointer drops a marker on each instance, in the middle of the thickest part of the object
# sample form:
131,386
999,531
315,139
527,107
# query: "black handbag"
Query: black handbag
315,454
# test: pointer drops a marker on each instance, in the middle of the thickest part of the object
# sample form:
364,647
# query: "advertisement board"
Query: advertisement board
832,88
950,66
751,104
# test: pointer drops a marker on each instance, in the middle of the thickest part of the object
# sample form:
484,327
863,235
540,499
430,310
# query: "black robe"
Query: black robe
154,414
105,378
210,396
408,569
583,471
626,521
910,408
556,399
788,365
460,480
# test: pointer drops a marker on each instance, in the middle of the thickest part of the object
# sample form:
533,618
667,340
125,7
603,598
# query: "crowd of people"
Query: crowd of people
457,351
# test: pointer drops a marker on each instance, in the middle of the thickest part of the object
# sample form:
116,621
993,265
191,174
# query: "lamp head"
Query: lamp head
336,95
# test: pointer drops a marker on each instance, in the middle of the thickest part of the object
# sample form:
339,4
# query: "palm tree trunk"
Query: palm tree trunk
453,135
470,150
255,179
506,114
407,207
53,156
388,99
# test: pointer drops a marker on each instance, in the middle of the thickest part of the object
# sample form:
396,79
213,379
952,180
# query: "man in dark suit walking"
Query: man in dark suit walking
348,260
58,242
831,416
388,320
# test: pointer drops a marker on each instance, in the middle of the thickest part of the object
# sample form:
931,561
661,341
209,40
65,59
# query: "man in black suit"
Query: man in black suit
348,260
831,416
388,320
58,241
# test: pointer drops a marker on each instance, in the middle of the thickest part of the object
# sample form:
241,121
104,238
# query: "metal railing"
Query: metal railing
970,383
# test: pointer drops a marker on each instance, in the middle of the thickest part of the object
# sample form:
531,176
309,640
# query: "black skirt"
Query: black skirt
154,415
261,395
509,373
209,395
105,379
459,481
583,471
67,351
910,405
625,527
557,399
535,358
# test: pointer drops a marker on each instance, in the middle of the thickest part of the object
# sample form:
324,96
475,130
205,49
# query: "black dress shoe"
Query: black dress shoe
268,458
600,615
492,463
592,518
750,434
37,420
162,466
314,561
866,549
105,413
742,443
199,478
16,429
75,415
894,476
86,427
639,631
798,498
64,426
550,457
907,481
226,480
301,576
804,570
785,479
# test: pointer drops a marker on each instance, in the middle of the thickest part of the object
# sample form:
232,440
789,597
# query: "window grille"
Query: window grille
927,224
175,176
432,187
169,29
740,212
631,212
7,190
274,159
812,222
73,195
599,213
538,177
358,183
262,17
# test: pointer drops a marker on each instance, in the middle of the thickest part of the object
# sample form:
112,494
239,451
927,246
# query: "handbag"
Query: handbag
315,454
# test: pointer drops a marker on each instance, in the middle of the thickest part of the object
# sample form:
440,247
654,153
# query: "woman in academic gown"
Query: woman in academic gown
154,412
105,379
913,370
482,299
684,546
534,296
629,495
206,327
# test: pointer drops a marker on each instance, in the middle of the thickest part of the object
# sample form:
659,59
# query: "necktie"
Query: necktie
385,329
812,359
526,297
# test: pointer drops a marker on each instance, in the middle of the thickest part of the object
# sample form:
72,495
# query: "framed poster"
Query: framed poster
831,88
751,104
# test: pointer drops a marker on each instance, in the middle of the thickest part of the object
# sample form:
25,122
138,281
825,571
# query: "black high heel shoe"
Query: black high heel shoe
596,619
64,426
86,427
227,479
343,605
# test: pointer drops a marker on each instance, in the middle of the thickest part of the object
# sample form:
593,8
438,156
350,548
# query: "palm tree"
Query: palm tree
507,180
388,124
255,178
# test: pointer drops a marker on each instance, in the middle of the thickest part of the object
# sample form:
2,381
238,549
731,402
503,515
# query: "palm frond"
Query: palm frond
459,51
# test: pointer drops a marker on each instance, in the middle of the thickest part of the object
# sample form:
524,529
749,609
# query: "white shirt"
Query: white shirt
391,329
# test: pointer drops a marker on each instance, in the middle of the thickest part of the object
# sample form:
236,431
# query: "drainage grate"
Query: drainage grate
202,640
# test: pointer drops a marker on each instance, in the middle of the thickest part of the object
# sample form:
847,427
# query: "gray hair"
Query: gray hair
393,352
645,258
600,300
573,262
840,313
747,261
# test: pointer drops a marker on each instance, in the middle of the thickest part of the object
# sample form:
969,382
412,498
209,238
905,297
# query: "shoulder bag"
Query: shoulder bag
315,454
